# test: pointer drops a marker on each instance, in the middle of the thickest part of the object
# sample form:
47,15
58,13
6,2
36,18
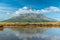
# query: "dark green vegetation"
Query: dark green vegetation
30,17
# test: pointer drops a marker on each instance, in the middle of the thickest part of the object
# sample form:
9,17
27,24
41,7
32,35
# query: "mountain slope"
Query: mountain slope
30,17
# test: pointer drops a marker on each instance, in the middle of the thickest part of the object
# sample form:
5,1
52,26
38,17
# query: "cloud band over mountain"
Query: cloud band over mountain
41,11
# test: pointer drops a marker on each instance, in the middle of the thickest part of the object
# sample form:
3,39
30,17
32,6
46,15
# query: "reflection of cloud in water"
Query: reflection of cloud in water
9,34
36,36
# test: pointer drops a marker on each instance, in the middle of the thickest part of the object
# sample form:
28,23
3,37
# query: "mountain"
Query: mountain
30,17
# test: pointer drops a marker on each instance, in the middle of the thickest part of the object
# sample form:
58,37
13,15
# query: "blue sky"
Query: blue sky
8,7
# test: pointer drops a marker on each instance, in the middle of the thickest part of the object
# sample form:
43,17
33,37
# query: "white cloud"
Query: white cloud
52,9
45,10
26,10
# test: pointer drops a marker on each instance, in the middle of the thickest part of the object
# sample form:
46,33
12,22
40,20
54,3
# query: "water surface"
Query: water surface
30,34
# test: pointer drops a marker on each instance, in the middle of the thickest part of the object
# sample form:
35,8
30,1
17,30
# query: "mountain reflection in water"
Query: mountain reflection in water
17,34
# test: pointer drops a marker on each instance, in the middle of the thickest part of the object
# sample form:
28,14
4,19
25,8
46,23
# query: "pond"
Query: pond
16,34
